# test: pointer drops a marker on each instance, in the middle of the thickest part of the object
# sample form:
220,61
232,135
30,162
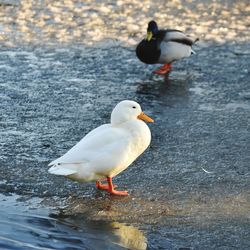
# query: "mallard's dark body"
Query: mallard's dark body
148,51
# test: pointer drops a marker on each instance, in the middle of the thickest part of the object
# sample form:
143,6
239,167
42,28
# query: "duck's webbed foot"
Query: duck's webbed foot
111,188
166,68
101,186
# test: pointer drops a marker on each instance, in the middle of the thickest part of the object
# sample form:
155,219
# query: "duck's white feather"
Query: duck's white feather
172,51
105,151
174,35
177,35
77,153
62,169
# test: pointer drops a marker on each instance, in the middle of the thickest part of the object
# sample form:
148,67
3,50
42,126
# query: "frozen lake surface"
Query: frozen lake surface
64,65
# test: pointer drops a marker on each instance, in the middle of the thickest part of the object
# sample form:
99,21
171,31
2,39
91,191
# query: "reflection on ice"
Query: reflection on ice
37,229
129,236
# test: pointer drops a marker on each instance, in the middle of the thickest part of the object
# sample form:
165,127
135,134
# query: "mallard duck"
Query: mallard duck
107,150
164,47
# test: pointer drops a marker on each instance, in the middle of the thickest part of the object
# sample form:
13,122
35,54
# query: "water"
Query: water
27,224
64,65
84,223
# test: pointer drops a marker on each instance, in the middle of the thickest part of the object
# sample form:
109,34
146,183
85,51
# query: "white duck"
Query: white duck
107,150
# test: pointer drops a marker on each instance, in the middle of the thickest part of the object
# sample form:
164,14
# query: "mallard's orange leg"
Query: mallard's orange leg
112,190
101,186
163,70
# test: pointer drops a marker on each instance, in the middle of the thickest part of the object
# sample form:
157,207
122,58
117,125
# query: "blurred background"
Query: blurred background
89,22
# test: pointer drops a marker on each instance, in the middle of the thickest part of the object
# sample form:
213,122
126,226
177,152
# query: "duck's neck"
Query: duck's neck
140,134
136,128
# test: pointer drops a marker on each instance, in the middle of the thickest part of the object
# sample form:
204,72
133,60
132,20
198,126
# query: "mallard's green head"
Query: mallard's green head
152,30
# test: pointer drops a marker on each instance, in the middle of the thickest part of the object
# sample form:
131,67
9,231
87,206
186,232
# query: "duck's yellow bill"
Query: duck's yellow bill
144,117
149,36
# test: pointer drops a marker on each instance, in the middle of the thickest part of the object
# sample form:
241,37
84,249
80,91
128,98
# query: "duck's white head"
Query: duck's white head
127,110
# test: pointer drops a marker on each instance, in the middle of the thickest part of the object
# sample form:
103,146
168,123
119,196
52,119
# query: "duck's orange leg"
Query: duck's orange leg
112,190
163,70
101,186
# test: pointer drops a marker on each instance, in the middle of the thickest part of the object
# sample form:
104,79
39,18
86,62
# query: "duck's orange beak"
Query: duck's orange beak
144,117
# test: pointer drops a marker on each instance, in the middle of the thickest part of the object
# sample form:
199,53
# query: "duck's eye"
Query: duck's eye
134,107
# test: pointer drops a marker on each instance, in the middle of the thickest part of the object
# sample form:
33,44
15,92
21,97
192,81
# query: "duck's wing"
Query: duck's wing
104,139
177,36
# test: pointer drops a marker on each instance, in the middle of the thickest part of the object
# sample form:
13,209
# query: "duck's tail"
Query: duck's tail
62,169
196,40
